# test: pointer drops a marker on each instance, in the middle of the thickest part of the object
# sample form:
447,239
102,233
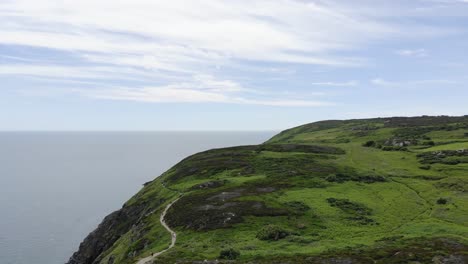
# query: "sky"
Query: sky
227,65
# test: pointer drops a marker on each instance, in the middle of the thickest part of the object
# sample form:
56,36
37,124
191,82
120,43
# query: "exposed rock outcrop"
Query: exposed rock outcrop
111,228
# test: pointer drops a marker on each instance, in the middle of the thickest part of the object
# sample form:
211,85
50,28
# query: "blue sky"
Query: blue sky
227,65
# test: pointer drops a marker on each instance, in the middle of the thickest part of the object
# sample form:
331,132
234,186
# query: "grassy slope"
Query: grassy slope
404,206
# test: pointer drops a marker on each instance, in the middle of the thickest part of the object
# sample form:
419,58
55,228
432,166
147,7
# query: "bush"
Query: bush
425,167
369,178
441,201
356,212
394,148
466,134
297,206
272,232
370,143
229,254
429,143
349,206
340,178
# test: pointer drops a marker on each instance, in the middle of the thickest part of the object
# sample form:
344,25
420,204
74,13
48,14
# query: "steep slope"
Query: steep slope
386,190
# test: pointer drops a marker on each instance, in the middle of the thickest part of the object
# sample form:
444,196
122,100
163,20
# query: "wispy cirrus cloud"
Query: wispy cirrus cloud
408,84
181,49
418,53
202,89
178,32
175,94
67,72
337,84
199,88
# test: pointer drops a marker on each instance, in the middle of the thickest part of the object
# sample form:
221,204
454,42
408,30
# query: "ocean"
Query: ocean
56,187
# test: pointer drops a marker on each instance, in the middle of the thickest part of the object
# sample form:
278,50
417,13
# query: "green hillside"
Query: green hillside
389,190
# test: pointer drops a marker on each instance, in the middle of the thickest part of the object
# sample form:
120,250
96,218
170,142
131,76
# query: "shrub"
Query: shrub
394,148
441,201
356,212
370,143
387,148
230,254
297,206
272,232
340,178
349,206
466,134
449,157
369,178
425,167
429,143
363,220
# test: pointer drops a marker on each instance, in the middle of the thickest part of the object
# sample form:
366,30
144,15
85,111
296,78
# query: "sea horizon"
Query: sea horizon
58,185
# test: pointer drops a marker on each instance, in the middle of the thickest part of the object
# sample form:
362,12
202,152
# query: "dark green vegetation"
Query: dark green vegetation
388,190
272,232
450,157
357,212
229,254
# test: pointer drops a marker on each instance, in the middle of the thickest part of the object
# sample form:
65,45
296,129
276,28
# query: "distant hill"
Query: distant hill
385,190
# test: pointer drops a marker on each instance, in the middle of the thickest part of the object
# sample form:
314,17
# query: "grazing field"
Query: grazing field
388,190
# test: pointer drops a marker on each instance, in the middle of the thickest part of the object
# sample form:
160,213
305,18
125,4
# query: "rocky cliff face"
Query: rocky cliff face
110,230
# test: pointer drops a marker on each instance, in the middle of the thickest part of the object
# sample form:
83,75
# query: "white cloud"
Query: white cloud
178,46
419,53
64,72
449,1
51,71
170,94
408,84
175,35
199,88
202,89
338,84
163,94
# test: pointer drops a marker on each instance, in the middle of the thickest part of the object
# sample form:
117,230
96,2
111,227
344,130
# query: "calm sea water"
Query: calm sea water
56,187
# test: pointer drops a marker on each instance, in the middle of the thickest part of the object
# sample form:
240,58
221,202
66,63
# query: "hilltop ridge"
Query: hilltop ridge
381,190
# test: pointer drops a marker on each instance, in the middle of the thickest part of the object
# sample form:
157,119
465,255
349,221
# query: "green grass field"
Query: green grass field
359,190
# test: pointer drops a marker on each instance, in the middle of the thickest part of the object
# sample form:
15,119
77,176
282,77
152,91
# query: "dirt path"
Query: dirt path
173,236
427,204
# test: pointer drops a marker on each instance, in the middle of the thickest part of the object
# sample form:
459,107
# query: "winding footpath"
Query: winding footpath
173,236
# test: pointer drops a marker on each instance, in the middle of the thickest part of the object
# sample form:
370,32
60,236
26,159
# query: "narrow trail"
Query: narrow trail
427,204
173,235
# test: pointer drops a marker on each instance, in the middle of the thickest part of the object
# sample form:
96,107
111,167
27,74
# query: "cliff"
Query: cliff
385,190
